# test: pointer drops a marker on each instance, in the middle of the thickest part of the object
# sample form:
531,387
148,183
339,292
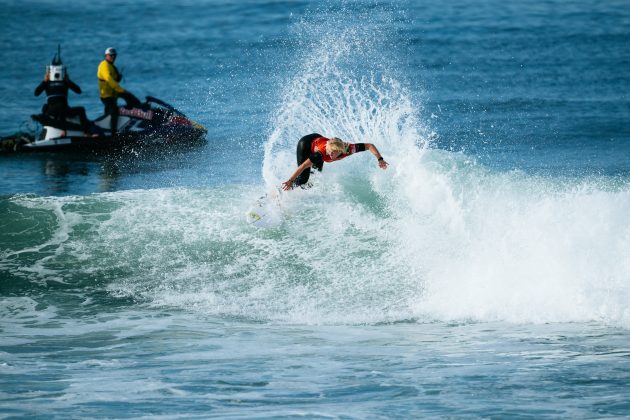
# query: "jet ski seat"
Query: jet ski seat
46,119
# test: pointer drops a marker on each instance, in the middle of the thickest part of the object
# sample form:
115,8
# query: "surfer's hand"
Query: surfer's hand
287,185
382,164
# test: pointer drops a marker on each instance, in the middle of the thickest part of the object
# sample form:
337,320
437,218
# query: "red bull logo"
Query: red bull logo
135,112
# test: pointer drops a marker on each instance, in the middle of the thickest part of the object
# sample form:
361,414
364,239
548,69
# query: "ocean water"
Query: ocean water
486,273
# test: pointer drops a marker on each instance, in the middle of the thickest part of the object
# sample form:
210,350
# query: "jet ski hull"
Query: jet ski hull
176,137
154,124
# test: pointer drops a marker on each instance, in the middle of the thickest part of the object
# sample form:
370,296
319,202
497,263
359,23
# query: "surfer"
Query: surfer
313,150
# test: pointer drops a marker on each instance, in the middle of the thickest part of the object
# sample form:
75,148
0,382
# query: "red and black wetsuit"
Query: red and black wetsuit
313,147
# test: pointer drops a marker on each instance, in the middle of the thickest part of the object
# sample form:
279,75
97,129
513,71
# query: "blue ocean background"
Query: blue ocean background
486,273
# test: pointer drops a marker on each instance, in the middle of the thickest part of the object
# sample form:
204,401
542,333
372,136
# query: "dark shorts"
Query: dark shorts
62,111
111,109
304,152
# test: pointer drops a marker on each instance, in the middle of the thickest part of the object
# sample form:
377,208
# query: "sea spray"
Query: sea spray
467,243
344,83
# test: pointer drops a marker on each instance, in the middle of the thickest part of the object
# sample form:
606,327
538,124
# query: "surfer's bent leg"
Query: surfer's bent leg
303,153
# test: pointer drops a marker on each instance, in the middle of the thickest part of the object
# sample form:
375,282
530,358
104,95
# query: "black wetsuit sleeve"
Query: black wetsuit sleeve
359,147
75,88
40,88
318,160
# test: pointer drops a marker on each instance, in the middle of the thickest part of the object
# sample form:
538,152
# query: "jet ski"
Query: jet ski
151,123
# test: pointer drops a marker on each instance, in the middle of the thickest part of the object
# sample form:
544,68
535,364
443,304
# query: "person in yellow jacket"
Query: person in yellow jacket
109,88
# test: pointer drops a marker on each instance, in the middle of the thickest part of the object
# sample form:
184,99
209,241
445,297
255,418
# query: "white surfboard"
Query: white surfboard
266,212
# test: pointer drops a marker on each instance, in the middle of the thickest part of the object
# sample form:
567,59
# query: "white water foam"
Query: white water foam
462,244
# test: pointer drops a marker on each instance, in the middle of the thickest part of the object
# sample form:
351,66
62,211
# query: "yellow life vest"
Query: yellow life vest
108,78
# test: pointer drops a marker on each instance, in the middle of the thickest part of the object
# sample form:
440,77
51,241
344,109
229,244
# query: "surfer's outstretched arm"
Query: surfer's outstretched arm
287,185
381,162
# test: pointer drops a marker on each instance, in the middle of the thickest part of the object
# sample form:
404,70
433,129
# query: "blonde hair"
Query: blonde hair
336,145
